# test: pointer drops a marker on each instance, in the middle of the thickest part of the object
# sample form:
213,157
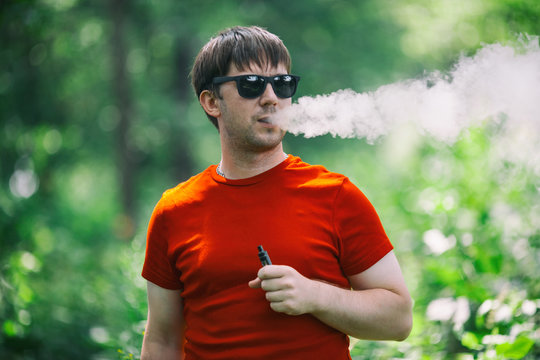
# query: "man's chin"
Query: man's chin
268,141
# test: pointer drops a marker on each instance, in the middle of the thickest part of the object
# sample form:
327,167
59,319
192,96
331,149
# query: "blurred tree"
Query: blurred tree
124,103
97,118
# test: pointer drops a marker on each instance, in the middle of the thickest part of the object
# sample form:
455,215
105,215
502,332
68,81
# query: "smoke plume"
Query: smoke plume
500,83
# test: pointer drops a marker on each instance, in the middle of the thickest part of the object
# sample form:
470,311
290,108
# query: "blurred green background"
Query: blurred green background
97,119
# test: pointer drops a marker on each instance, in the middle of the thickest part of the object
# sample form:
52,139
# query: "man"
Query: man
335,273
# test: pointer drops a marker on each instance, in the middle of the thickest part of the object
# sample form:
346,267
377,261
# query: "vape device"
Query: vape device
263,256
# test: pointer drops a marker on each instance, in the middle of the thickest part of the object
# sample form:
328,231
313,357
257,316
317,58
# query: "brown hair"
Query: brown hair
240,46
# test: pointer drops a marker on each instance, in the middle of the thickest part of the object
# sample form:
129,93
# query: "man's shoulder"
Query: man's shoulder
315,175
314,171
188,191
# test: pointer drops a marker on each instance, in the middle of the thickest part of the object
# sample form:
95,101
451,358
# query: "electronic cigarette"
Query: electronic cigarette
263,256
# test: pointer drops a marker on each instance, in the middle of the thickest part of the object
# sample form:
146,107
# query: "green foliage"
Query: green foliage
516,350
71,252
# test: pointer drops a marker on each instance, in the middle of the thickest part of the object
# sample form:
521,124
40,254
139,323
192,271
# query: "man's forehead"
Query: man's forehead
253,68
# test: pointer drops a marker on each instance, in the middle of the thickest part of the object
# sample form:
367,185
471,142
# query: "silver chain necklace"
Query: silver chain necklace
218,170
221,173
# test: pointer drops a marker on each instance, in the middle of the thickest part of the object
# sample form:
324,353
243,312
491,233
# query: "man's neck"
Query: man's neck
249,165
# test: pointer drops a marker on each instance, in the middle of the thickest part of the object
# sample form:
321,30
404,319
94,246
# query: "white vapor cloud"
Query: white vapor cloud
499,83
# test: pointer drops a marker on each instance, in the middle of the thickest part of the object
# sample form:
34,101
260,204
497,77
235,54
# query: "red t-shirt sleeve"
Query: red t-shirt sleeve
361,235
158,267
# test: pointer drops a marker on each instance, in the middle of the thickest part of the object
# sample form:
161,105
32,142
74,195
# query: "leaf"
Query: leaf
10,328
470,341
516,350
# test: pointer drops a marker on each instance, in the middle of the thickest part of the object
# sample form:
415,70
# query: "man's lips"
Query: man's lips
264,120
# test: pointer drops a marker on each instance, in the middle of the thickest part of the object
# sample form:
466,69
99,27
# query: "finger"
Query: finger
272,285
275,296
284,307
277,306
255,283
272,271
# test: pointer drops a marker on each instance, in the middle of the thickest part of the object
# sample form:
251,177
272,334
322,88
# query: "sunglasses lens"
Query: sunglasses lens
284,86
251,86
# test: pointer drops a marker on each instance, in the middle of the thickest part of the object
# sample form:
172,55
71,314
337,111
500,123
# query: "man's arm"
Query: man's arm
164,333
378,308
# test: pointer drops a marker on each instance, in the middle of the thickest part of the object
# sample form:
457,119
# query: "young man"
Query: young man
335,273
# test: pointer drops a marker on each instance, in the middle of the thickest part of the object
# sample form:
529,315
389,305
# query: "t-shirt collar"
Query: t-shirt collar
251,180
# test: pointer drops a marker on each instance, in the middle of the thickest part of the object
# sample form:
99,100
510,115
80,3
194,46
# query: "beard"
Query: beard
256,139
255,134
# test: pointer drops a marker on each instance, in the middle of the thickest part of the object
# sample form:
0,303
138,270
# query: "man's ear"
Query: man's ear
209,102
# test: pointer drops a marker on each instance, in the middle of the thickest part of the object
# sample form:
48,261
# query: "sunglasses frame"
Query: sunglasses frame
267,79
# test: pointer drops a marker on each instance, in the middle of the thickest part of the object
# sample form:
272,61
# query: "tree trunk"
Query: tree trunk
183,162
122,94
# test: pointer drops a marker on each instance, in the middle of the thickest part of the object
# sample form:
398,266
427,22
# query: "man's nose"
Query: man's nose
268,96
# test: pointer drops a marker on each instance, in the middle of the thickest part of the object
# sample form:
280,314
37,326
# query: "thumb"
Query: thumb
255,283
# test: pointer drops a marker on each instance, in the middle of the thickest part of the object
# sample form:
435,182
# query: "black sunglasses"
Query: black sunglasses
253,86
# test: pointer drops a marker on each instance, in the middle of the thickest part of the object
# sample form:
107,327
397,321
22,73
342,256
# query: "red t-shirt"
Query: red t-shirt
203,237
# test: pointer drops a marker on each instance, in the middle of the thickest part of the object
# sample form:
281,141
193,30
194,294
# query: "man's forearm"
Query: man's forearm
374,314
